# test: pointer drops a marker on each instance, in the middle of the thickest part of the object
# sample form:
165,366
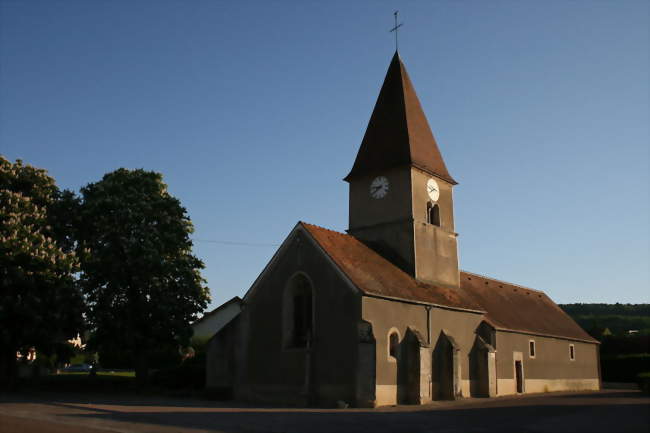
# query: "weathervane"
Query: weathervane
397,26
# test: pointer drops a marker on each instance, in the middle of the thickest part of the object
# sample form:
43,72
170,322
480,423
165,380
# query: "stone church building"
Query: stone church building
382,314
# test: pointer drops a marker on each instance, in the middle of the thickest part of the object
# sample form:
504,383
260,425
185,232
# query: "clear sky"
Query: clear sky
254,111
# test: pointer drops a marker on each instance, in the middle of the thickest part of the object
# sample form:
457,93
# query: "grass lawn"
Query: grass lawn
103,382
100,373
116,373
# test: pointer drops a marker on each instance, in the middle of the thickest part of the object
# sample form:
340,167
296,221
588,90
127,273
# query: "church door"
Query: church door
519,376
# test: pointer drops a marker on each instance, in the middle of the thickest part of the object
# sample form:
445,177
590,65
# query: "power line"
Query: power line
241,244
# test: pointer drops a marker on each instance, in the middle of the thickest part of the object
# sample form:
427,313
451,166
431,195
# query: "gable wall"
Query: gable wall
386,315
276,374
551,369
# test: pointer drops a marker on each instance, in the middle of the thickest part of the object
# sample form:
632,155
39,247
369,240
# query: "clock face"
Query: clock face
379,187
433,190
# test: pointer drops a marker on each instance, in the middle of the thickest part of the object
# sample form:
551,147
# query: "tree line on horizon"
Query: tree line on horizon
113,262
602,320
623,331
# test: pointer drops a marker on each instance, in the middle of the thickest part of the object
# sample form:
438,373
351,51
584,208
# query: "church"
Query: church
382,314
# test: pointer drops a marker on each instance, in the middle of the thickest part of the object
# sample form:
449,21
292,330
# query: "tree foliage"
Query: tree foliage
607,309
40,305
617,318
142,283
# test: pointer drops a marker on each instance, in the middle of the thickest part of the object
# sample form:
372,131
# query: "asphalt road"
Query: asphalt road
605,411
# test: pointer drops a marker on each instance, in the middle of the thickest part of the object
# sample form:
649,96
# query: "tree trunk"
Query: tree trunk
8,368
141,369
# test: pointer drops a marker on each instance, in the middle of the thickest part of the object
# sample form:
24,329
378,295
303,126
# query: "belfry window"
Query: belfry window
531,348
433,214
393,343
298,313
572,352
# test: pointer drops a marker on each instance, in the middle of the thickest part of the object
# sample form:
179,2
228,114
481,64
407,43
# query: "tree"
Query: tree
143,285
40,304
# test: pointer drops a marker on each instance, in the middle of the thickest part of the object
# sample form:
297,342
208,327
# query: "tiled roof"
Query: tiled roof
398,133
234,300
518,308
374,275
506,306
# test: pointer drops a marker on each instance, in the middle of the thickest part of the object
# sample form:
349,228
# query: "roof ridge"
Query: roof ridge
325,228
504,282
234,299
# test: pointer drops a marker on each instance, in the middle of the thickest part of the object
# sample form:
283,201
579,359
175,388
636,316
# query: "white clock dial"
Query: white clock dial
433,189
379,187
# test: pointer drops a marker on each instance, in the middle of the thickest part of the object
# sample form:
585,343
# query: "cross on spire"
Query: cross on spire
394,29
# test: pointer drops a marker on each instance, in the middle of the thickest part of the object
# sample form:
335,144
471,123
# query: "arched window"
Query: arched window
298,312
393,344
433,214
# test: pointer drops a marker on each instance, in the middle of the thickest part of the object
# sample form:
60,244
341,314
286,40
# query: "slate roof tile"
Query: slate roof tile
398,133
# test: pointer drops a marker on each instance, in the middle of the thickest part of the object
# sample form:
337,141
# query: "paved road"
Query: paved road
606,411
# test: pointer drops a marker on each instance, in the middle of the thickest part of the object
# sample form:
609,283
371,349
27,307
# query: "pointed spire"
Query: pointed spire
398,133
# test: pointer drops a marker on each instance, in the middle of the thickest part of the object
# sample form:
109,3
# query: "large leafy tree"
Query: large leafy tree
40,304
142,283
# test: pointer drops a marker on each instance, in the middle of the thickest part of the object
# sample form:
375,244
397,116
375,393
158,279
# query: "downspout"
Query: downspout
430,354
307,387
428,308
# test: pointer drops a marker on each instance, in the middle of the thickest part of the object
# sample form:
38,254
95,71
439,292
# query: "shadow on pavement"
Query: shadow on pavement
531,417
589,412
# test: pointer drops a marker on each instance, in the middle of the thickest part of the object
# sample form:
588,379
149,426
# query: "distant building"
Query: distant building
31,353
383,315
29,356
77,342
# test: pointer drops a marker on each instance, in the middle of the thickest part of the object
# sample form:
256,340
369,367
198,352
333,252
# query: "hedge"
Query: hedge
624,368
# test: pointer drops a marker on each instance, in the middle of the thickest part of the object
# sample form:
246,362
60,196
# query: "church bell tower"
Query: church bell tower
401,201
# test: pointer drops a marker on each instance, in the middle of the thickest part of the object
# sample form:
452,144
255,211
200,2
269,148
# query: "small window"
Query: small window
393,342
531,348
433,214
572,352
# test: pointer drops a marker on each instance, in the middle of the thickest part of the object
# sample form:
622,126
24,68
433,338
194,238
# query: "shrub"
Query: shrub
624,368
614,345
189,375
164,356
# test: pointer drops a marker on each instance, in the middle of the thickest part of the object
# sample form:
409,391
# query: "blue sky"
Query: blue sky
254,111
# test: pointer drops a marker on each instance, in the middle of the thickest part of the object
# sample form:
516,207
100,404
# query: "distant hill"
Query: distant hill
601,320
